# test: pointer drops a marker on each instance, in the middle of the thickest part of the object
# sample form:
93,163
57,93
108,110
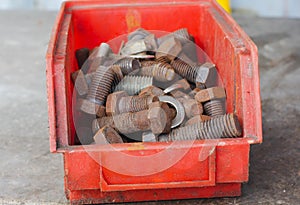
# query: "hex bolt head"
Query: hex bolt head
171,47
91,108
112,102
80,82
207,74
158,115
191,107
107,135
210,94
151,90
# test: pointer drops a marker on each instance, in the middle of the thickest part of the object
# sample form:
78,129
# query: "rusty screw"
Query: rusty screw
156,119
213,99
201,74
226,126
120,102
160,71
100,87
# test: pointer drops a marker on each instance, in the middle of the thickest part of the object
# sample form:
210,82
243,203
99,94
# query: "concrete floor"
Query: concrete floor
32,175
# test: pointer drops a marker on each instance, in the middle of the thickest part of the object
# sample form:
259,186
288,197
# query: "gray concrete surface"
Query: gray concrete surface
31,175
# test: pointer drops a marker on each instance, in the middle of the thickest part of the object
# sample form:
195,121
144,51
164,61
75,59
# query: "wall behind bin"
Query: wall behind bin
266,8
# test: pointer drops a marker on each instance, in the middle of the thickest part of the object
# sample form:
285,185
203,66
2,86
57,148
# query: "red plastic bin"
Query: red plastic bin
225,167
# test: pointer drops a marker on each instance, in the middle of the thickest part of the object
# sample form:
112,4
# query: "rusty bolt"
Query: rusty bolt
215,107
191,107
120,102
160,71
80,82
101,85
112,102
151,90
196,119
81,56
171,47
138,121
135,103
225,126
107,135
201,74
213,99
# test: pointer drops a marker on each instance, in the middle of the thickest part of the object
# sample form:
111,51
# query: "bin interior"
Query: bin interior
87,24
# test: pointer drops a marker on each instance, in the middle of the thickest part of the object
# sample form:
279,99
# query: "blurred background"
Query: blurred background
266,8
31,175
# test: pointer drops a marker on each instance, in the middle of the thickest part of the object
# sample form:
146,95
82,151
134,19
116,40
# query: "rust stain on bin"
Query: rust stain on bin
133,19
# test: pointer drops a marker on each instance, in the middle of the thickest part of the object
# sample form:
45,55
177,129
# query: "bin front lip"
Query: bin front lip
251,138
137,146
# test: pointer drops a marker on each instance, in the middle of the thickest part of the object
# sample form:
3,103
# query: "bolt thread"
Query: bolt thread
185,70
101,85
163,59
132,122
134,103
214,108
128,65
160,71
225,126
134,84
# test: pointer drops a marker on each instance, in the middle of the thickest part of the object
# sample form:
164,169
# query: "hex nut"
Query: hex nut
112,102
210,94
